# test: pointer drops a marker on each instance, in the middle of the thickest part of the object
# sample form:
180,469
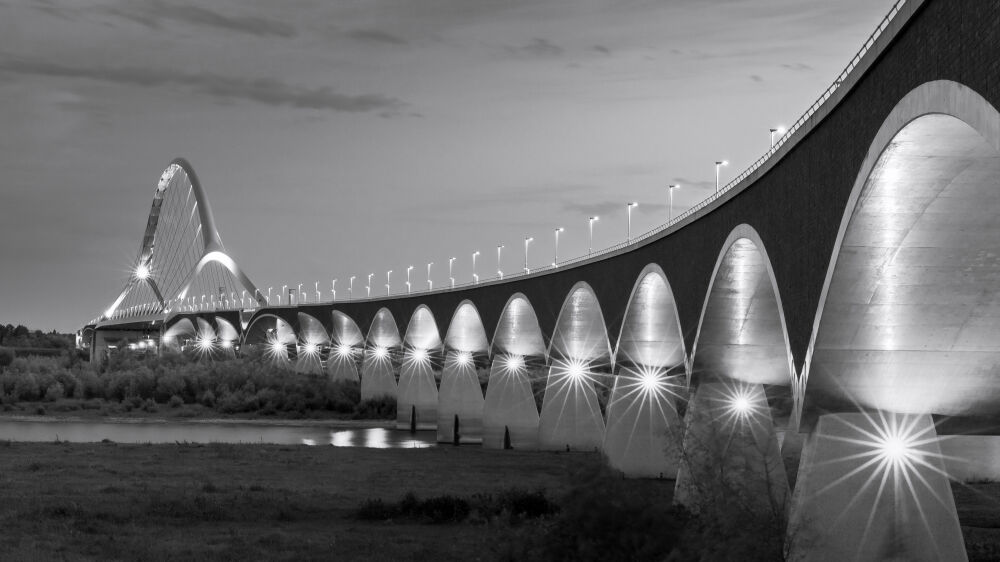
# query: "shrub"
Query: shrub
176,401
376,409
54,392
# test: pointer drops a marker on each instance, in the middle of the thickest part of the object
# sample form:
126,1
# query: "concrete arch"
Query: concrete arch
378,371
348,345
271,336
907,318
518,332
314,344
466,331
460,407
741,333
417,394
743,380
180,331
642,423
517,375
205,330
581,363
226,331
422,330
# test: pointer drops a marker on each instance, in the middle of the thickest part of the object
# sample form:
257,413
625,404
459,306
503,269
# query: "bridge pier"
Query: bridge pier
417,394
509,408
643,429
874,487
461,399
378,377
730,459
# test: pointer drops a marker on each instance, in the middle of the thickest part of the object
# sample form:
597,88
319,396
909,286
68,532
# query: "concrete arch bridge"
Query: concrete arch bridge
828,319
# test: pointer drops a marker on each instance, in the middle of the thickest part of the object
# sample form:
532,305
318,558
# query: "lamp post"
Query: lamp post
526,242
300,294
333,289
628,209
499,271
475,278
555,255
592,220
670,213
718,165
388,282
370,284
269,296
780,131
430,284
284,289
451,261
350,289
409,268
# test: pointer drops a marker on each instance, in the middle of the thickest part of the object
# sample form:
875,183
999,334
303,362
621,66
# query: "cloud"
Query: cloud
684,182
266,91
538,47
376,37
153,13
756,78
601,49
797,66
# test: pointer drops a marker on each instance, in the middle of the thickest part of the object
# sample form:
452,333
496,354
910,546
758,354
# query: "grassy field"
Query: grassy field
109,501
232,502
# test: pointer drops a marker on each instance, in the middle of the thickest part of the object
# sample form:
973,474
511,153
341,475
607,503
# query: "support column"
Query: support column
461,399
643,430
378,378
417,395
874,487
730,458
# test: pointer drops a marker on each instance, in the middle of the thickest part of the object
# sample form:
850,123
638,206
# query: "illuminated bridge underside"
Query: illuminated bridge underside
912,318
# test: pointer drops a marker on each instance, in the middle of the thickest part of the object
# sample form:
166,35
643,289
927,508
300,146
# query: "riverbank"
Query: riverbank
96,410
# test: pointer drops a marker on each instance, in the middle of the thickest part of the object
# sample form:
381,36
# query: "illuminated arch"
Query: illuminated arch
510,411
466,331
178,333
417,393
906,319
180,239
642,422
348,346
271,334
314,343
378,373
581,364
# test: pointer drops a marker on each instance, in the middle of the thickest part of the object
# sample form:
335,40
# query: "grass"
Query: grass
226,502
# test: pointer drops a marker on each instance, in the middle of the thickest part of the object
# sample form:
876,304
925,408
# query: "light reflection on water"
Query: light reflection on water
89,432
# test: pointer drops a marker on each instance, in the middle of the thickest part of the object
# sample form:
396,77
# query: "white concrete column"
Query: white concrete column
874,487
510,408
644,432
377,377
461,397
417,393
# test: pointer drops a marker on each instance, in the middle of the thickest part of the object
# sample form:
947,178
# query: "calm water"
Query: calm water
86,432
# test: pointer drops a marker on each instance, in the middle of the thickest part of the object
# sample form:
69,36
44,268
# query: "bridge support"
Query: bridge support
730,458
874,487
510,416
461,400
417,395
643,431
378,377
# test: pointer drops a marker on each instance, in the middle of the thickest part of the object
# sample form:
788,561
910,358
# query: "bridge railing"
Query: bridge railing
788,137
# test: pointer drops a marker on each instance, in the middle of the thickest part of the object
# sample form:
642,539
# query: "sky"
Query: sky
342,138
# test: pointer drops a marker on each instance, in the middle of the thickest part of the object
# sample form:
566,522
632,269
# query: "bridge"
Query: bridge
827,319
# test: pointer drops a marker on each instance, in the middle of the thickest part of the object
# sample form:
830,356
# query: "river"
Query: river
208,432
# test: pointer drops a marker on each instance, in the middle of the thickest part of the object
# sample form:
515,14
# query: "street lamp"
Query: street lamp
370,284
388,282
430,284
350,289
284,289
555,255
300,294
526,242
451,261
628,209
409,268
592,220
475,278
670,213
269,295
780,131
718,165
333,289
499,271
